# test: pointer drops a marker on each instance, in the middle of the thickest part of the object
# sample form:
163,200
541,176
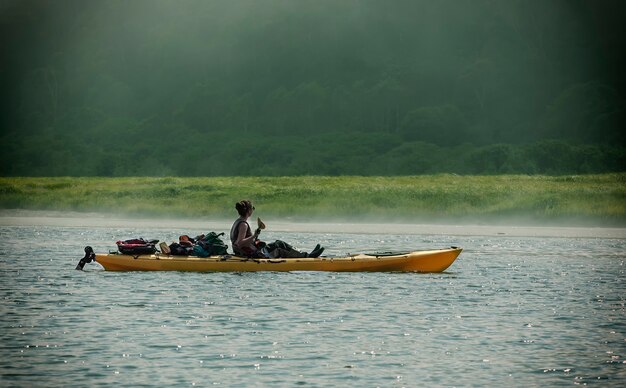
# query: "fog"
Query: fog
34,218
107,88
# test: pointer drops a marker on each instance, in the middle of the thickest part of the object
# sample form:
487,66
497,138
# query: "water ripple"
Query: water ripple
523,311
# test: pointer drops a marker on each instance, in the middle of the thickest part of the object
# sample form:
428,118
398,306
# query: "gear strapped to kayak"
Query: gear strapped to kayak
137,246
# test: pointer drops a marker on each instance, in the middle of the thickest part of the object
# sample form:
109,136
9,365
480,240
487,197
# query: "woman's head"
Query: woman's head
243,207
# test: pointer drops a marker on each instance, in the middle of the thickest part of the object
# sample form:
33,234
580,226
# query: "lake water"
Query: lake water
515,308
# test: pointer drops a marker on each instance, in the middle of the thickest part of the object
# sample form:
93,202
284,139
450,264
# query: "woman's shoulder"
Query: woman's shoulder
240,221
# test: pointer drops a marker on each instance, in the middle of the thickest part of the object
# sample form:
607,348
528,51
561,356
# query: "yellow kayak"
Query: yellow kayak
418,261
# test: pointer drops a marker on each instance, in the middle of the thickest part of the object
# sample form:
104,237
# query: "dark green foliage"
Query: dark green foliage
209,88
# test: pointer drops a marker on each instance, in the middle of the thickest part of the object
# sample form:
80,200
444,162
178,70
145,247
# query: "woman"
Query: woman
247,244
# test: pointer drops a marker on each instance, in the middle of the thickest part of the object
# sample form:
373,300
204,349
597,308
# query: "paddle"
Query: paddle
260,226
89,257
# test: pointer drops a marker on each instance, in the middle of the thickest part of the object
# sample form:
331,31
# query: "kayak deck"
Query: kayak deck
417,261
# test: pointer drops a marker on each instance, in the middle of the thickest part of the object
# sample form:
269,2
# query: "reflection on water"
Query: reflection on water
518,310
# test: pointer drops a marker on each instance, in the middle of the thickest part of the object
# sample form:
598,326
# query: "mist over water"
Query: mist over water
506,227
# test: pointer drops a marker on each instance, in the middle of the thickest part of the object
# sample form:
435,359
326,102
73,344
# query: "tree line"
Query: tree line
311,87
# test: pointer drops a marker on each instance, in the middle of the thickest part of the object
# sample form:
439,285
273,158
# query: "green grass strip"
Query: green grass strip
596,199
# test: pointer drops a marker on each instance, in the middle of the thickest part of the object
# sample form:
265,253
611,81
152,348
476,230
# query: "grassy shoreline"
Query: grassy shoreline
586,199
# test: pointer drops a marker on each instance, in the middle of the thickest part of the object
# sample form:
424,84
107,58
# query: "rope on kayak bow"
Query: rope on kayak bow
89,257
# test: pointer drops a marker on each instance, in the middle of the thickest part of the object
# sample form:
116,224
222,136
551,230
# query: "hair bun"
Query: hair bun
243,206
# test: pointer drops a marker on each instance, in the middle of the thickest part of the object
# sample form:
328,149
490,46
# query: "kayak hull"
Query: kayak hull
419,261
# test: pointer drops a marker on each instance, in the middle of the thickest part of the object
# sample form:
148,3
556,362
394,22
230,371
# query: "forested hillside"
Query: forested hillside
286,87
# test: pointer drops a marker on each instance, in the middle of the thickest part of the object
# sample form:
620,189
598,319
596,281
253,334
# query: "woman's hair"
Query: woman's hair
243,207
